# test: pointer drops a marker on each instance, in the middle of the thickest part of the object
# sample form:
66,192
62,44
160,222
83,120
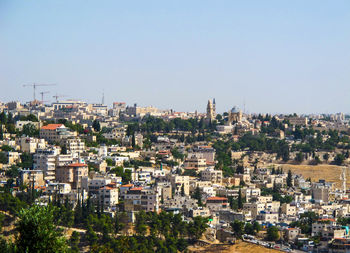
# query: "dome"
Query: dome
235,109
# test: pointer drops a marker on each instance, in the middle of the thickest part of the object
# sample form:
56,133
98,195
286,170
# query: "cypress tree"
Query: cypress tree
240,201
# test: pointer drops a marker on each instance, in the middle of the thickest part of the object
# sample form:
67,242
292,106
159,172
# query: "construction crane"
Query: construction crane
34,85
58,96
42,95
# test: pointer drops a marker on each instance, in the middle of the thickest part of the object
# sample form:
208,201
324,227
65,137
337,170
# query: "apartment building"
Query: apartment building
72,174
217,203
30,144
214,176
179,182
138,198
55,132
75,145
45,160
30,177
195,163
108,196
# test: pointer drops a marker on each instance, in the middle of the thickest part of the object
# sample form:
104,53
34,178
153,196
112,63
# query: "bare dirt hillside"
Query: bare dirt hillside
315,172
241,247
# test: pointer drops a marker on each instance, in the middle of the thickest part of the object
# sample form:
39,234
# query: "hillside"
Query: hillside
315,172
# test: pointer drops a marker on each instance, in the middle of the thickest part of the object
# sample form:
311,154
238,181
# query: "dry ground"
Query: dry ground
241,247
315,172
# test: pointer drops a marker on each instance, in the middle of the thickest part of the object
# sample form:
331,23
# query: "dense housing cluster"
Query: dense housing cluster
132,178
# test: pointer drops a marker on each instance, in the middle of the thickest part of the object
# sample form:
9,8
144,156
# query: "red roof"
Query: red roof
216,198
190,168
127,185
77,165
136,189
326,220
164,152
40,187
51,126
107,188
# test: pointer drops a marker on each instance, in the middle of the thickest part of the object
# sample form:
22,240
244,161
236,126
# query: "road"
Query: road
270,245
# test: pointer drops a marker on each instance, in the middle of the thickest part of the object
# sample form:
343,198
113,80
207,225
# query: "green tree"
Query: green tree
11,128
120,221
30,130
272,234
32,117
64,150
339,159
240,201
27,160
140,225
13,172
91,236
317,160
299,157
96,125
177,154
290,179
7,148
6,246
197,227
74,242
249,229
198,196
78,213
326,157
109,162
182,190
3,158
37,231
3,118
238,228
133,141
256,227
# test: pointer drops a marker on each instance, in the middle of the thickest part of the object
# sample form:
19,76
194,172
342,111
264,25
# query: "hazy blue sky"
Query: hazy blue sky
278,56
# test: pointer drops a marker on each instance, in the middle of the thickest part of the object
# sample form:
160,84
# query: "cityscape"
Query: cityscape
115,176
174,126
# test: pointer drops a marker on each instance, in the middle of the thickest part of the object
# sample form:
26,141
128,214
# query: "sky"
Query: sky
265,56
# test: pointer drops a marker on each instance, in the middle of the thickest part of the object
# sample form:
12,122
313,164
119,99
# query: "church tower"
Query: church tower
210,111
214,107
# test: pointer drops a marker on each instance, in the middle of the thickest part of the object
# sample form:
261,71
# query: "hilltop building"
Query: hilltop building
211,110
